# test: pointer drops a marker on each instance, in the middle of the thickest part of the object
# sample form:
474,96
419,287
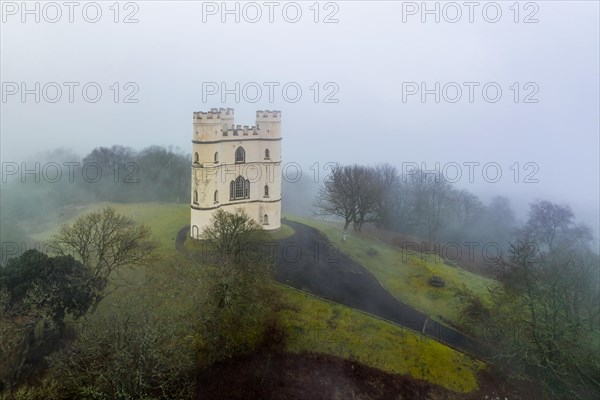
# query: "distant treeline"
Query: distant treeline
40,186
425,208
421,204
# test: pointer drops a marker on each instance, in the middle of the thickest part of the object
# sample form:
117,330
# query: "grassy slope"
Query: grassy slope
313,324
406,275
165,219
323,327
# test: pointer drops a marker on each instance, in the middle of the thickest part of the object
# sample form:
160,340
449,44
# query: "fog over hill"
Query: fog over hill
516,91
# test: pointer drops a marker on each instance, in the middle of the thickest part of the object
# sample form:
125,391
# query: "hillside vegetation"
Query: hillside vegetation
311,324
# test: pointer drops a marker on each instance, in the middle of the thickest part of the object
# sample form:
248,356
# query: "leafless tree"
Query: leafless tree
106,242
388,201
354,193
469,209
337,195
551,224
432,201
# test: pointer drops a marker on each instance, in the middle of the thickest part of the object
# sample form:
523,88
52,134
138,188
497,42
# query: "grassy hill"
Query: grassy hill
316,325
405,274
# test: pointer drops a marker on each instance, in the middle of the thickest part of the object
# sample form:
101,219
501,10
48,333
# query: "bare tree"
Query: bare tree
543,308
551,224
337,195
469,209
368,190
432,201
352,192
388,201
240,296
106,242
232,235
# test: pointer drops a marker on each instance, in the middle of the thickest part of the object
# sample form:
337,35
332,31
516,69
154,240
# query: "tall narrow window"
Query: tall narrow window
247,189
267,154
240,183
216,196
195,197
265,219
240,155
216,157
266,190
196,158
232,190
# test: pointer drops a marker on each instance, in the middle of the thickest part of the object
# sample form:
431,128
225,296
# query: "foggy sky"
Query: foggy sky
368,54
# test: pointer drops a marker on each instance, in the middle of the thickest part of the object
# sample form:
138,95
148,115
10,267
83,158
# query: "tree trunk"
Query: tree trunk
345,230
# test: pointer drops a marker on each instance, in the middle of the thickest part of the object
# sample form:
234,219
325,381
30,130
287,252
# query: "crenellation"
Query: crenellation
245,131
201,116
268,115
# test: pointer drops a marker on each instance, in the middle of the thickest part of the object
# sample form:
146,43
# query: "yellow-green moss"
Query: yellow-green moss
405,274
319,326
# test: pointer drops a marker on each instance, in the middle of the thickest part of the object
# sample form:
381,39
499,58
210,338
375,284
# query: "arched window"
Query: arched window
195,232
239,189
216,196
265,219
195,197
196,158
266,190
240,155
216,157
267,154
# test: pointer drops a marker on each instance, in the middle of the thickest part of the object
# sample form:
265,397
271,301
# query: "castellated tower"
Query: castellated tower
236,168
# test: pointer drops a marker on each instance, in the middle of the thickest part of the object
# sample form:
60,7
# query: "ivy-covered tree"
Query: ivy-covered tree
37,292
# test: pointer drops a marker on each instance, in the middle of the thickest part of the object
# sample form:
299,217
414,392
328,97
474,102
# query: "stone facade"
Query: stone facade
236,167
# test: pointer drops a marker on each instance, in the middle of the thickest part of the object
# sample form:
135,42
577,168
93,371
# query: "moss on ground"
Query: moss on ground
405,274
323,327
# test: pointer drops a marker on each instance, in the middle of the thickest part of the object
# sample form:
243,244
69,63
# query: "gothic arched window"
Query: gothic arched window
265,219
240,155
196,158
266,190
267,154
195,197
216,196
216,157
239,189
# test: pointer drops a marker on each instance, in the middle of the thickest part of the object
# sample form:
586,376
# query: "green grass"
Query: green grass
284,232
406,274
315,325
319,326
164,219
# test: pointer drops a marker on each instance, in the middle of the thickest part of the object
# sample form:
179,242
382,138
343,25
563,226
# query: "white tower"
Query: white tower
236,168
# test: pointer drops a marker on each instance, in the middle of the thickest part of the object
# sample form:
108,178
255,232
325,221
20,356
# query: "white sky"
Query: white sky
367,54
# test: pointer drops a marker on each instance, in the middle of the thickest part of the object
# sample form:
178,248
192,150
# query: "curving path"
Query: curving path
307,261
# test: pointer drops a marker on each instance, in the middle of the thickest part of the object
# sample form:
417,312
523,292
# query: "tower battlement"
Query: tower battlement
215,113
210,115
206,124
238,130
268,115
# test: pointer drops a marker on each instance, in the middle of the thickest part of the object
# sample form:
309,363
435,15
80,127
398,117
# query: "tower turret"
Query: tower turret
269,123
207,125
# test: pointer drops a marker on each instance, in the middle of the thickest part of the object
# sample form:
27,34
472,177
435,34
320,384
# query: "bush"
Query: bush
137,354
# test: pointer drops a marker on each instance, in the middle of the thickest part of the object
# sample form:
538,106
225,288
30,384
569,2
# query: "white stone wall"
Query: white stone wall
213,134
